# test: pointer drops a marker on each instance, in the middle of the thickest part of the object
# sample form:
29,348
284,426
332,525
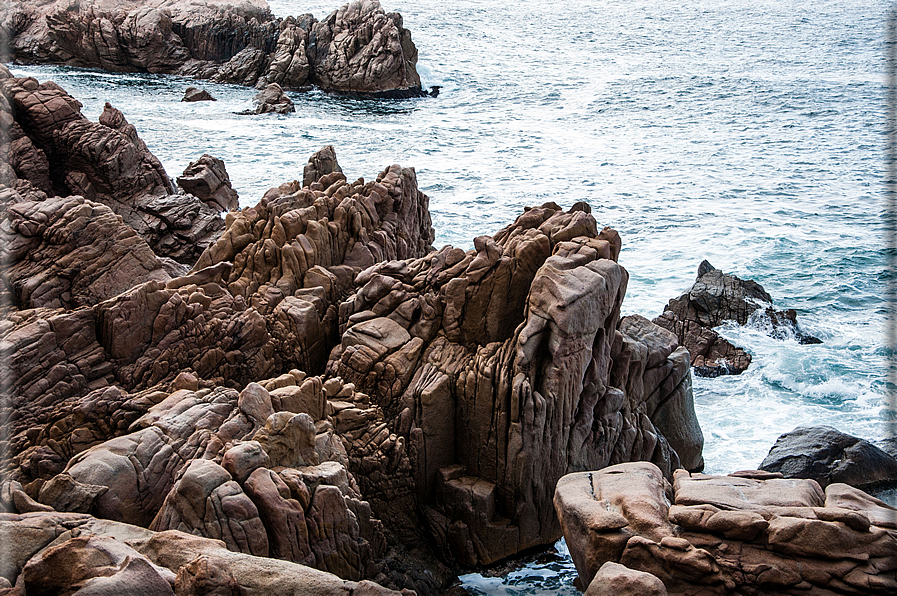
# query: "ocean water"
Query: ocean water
750,134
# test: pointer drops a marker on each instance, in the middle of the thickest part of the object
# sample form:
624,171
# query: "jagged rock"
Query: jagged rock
71,252
715,298
827,456
207,179
461,349
729,534
104,162
358,49
271,99
194,94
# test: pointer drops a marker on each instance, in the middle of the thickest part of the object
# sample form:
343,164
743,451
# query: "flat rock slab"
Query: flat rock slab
747,533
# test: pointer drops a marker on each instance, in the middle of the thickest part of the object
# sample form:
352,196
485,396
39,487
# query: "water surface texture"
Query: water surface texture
750,134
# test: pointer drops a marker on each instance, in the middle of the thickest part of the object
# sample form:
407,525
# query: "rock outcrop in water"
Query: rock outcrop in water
827,456
750,532
714,299
323,386
359,49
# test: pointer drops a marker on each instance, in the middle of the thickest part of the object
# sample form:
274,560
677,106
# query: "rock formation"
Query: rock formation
359,49
194,94
750,532
72,553
271,99
50,149
718,297
828,456
207,180
323,386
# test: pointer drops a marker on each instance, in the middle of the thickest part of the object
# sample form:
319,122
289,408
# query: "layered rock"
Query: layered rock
744,533
69,553
828,456
53,150
716,298
358,49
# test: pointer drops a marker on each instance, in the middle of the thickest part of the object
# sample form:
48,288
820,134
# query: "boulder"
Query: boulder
359,49
718,297
614,579
745,533
827,455
271,99
194,94
207,179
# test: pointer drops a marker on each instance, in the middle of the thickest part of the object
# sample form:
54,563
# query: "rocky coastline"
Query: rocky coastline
306,396
308,380
358,50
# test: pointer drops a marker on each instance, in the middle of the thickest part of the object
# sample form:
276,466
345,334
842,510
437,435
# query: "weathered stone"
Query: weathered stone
194,94
207,179
727,534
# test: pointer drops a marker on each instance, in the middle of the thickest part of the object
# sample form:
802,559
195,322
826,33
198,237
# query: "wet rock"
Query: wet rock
718,297
194,94
827,456
207,180
728,534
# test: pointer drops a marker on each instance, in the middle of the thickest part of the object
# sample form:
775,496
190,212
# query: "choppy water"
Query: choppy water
747,133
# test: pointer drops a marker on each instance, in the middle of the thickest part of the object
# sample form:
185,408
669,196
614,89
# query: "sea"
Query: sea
747,133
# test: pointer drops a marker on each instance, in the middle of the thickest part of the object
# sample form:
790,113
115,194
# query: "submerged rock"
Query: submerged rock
748,533
271,99
359,49
718,297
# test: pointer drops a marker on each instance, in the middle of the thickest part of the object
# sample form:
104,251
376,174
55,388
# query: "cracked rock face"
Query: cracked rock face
359,49
750,531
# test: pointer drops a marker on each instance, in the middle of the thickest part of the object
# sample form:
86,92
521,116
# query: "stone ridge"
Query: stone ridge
359,49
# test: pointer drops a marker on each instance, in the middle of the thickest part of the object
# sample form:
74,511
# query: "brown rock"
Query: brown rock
207,180
614,579
93,565
728,534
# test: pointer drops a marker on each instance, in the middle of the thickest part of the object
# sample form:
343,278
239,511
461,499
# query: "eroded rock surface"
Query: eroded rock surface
745,533
358,49
716,298
53,150
69,553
